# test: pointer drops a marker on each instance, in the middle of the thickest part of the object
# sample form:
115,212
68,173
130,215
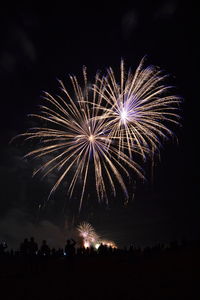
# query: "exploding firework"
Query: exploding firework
138,109
88,234
99,131
73,140
91,238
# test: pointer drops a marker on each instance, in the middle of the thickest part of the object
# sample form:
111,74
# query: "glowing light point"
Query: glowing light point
97,245
91,138
123,115
86,244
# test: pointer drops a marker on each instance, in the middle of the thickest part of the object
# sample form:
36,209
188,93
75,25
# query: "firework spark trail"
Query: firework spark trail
138,108
76,138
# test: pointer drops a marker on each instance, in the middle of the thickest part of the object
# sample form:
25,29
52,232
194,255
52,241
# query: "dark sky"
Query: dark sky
38,45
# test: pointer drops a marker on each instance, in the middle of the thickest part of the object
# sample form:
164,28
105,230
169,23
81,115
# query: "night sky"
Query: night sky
39,45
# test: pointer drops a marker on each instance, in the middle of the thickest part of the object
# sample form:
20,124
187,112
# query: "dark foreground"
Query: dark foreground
169,274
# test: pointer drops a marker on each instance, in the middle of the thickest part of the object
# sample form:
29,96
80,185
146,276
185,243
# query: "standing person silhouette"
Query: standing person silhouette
70,248
33,247
45,249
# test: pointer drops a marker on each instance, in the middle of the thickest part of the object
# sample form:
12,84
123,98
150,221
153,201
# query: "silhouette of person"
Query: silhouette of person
44,249
102,249
70,248
33,247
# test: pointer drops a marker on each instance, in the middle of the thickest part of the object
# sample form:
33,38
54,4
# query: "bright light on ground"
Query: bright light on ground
86,244
97,246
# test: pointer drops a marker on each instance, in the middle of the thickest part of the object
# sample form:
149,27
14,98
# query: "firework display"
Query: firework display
91,238
138,108
102,128
88,234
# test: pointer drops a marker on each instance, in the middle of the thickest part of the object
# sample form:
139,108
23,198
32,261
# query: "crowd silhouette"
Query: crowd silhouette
30,248
75,272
